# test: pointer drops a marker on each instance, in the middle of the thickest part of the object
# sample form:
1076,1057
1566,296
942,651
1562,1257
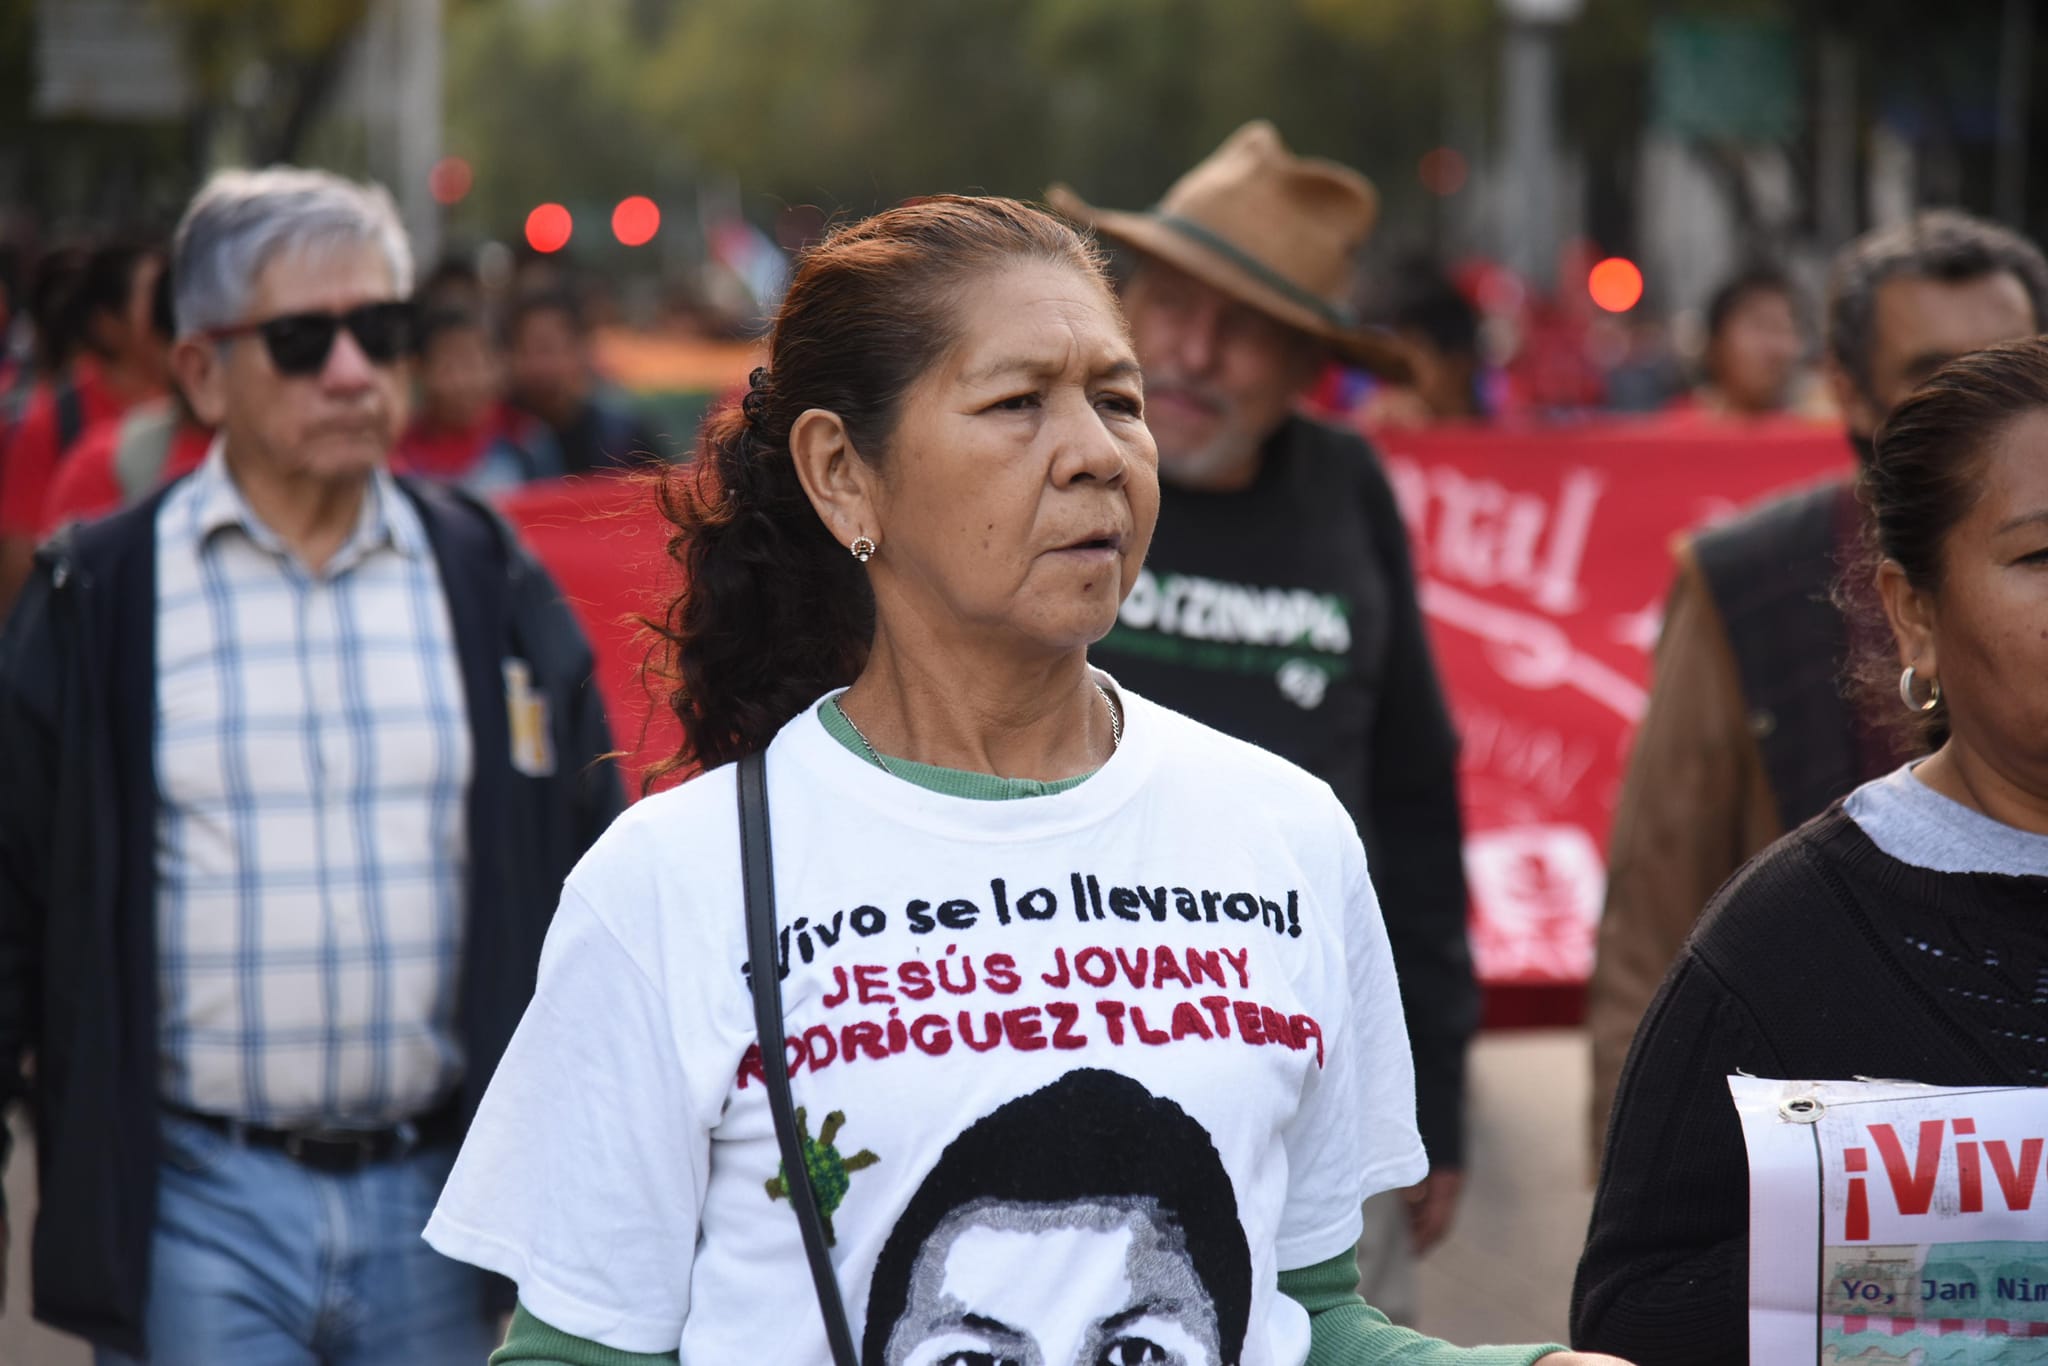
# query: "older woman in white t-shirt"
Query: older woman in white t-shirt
1091,1023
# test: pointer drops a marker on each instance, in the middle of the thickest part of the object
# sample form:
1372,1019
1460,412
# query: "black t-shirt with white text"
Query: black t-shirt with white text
1263,612
1285,614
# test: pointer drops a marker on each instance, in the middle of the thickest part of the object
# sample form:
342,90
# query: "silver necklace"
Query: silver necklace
1116,730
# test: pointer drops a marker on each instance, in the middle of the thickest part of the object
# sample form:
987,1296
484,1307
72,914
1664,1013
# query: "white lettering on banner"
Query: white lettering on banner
1539,888
1196,608
1486,536
1489,536
1531,651
1639,630
1539,759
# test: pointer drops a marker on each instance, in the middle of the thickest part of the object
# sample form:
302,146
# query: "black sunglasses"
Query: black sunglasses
299,343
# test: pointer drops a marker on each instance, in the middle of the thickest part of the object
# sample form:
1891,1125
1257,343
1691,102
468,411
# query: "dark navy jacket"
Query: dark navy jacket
78,794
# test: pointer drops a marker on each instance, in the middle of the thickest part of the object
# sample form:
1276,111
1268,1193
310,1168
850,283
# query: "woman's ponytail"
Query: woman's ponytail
772,613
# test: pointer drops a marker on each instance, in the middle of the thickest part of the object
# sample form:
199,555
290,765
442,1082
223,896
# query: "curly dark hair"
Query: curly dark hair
773,612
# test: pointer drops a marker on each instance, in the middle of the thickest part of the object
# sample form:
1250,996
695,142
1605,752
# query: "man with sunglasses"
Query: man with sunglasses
299,754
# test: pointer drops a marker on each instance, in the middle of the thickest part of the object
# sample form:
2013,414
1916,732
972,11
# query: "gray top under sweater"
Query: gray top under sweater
1914,824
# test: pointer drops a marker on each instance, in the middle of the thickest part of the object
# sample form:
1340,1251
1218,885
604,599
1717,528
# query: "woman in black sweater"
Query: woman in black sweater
1904,933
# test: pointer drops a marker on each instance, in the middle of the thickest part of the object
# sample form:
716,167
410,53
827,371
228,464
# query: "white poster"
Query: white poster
1893,1224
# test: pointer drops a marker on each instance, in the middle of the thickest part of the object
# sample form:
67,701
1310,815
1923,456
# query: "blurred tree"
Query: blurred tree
275,66
855,105
262,75
17,67
551,103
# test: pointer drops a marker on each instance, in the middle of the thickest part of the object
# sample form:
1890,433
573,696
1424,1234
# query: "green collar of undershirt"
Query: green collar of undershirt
949,782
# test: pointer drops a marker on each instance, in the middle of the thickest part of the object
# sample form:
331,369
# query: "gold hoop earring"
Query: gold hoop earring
1906,692
863,549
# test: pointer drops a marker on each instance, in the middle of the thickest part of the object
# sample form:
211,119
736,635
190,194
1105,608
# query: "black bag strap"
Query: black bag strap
757,878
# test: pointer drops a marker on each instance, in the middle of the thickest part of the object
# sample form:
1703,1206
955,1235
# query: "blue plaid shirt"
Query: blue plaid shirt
313,761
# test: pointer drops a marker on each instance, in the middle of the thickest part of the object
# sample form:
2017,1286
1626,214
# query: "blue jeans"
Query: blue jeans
259,1261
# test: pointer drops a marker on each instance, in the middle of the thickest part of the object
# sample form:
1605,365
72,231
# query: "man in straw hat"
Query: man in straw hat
1278,603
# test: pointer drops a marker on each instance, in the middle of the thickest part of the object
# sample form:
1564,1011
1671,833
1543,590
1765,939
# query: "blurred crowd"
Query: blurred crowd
1485,350
301,672
506,387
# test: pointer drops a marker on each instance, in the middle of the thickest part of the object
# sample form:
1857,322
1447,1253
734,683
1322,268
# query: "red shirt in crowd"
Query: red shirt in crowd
445,453
504,448
33,455
88,482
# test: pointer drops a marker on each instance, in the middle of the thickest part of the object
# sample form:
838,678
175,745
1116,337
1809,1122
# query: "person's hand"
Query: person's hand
1432,1203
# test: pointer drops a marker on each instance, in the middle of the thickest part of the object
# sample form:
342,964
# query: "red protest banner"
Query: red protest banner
605,542
1543,559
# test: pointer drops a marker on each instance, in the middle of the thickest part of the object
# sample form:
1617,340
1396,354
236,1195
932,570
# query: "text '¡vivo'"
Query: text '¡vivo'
1911,1178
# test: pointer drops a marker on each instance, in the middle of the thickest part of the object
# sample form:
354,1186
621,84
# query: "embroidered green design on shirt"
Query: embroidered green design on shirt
830,1172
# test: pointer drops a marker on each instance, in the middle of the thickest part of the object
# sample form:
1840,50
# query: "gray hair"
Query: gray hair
242,220
1940,244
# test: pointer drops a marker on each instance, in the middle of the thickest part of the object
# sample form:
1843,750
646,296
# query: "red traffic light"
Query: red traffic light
636,220
1615,284
548,228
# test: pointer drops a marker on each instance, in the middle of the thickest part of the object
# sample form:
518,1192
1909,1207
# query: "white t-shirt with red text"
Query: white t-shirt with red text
1080,1073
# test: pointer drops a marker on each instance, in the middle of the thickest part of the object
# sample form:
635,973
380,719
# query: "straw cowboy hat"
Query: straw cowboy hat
1270,229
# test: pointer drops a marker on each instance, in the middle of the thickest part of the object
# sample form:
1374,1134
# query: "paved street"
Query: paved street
1505,1273
1503,1276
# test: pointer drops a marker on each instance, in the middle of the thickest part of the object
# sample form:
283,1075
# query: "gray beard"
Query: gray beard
1223,461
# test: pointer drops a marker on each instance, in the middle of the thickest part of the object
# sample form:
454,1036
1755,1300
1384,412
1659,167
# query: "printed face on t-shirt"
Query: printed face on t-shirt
1104,1282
